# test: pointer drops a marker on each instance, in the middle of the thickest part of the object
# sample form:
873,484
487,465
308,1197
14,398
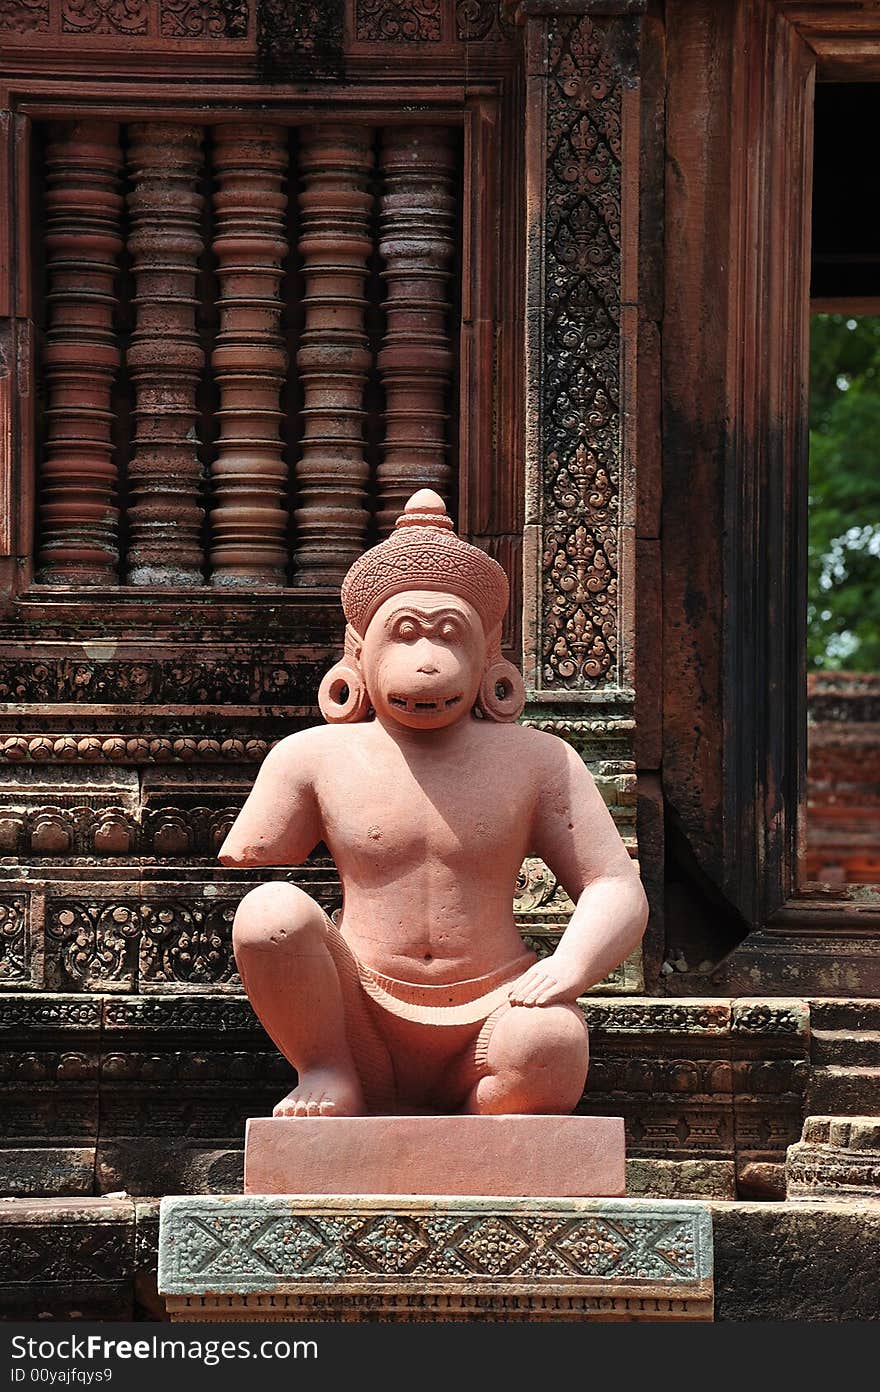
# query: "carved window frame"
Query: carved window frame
754,777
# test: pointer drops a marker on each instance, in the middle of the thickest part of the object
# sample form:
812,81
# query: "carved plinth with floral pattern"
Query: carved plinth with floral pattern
276,1258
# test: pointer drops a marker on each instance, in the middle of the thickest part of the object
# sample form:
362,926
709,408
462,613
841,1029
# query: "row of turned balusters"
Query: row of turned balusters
248,523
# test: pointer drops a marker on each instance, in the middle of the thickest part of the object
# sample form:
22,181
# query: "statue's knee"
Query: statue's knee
558,1038
273,915
544,1052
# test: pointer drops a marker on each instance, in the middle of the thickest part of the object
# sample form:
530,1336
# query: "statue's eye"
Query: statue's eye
448,631
407,631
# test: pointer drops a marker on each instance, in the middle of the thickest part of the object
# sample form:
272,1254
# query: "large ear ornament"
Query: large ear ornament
342,695
502,693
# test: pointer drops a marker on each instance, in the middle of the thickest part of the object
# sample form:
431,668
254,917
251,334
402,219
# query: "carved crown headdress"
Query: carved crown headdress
423,553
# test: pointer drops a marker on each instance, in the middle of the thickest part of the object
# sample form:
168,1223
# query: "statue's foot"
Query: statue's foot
323,1092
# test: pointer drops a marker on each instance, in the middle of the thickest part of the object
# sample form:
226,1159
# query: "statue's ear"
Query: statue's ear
342,695
502,693
353,645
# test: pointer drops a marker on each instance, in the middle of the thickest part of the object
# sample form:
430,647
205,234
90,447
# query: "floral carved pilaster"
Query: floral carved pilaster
77,490
249,517
583,142
582,137
165,359
415,361
334,243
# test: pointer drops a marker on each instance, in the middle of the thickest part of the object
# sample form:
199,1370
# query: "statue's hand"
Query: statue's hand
548,982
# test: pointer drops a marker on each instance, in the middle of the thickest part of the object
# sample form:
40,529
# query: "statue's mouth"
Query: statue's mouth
413,707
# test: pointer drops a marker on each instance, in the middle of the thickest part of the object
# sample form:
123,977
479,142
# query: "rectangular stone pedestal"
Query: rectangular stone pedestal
553,1156
320,1257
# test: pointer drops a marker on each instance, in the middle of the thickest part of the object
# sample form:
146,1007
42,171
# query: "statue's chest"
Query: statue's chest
399,823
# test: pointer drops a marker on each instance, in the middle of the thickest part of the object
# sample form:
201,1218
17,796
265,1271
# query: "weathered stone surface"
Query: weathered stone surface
47,1170
844,1089
147,1300
681,1179
815,1261
838,1157
66,1259
265,1257
845,1057
151,1164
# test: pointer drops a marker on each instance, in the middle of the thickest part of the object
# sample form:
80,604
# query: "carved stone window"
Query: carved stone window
247,345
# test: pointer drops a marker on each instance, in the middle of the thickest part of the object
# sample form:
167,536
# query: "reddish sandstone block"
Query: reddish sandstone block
537,1156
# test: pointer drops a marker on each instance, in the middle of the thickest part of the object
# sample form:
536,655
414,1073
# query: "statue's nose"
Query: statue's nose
424,655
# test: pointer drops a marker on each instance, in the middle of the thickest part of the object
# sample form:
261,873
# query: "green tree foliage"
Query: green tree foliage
843,609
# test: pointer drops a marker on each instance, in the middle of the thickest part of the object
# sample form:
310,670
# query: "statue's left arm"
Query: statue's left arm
280,823
575,835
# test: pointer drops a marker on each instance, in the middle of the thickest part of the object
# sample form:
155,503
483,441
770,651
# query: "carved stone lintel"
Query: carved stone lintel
332,473
165,358
249,517
78,515
415,361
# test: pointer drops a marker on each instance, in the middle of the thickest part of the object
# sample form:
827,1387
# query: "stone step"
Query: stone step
812,1260
845,1047
845,1014
844,1091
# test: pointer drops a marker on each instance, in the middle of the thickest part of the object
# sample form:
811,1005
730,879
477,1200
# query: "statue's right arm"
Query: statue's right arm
280,822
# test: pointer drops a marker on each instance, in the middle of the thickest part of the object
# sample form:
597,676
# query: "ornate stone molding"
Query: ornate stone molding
645,1258
838,1157
204,19
222,679
140,22
89,1251
120,749
107,830
398,21
128,17
476,20
167,940
18,967
24,16
300,39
